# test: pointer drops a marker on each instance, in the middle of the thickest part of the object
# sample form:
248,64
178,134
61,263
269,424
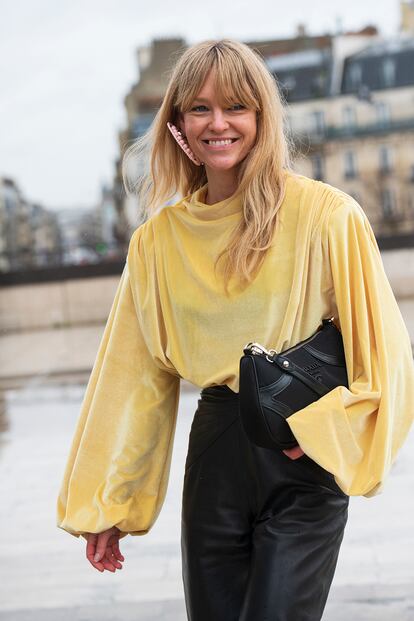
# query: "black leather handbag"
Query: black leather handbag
273,386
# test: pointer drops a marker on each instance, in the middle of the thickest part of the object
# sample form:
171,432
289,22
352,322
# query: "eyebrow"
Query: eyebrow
201,99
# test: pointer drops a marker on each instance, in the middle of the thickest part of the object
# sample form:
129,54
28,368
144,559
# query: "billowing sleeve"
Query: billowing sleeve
356,432
119,461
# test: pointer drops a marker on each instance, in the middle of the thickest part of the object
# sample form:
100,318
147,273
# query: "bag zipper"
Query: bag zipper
259,350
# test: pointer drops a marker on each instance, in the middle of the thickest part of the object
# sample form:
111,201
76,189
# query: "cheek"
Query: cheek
253,134
250,133
194,129
250,127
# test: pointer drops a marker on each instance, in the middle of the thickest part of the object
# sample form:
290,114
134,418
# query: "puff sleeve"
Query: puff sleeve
119,461
356,432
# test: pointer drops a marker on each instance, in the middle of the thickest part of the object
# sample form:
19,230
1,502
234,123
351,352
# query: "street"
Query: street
45,575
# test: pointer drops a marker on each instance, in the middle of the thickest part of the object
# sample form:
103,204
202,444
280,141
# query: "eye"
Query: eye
238,106
196,108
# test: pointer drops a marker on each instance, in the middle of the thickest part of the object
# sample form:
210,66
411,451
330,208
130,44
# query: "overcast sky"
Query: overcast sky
66,65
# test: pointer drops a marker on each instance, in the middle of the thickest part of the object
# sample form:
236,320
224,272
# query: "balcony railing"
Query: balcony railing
345,132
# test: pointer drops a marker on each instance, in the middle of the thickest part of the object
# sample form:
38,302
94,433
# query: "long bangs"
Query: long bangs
233,79
234,87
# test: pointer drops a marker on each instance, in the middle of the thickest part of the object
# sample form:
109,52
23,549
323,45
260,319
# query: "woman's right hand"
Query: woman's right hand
102,549
294,453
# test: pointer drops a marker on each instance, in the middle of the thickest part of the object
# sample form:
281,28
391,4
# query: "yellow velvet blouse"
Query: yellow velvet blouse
170,319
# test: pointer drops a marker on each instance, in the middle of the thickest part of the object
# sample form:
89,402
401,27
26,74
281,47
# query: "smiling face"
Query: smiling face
220,135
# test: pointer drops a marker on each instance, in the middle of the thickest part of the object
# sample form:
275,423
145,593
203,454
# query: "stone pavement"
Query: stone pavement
44,575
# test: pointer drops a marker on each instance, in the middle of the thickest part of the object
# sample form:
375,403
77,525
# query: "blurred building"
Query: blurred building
15,238
350,101
407,16
359,134
154,64
29,234
111,225
46,237
108,220
90,235
78,235
141,105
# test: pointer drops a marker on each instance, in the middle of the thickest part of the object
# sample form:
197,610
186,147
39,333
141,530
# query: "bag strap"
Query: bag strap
287,366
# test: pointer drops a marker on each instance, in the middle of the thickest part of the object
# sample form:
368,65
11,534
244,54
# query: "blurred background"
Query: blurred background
79,82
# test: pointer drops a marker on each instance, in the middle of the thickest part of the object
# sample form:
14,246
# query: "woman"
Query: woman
253,252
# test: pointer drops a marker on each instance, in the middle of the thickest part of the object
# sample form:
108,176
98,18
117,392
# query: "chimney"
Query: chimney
144,54
301,30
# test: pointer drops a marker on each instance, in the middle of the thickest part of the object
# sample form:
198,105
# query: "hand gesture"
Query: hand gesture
102,550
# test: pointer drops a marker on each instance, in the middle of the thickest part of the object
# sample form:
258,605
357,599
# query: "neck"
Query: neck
221,185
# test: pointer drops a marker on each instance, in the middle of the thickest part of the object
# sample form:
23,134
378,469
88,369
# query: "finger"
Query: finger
99,566
108,565
95,564
113,543
101,546
103,564
109,556
91,544
90,551
109,561
117,551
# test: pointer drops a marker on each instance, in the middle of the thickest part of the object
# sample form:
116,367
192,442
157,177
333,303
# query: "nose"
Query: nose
218,122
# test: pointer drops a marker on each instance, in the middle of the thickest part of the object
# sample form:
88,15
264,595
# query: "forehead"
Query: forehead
214,88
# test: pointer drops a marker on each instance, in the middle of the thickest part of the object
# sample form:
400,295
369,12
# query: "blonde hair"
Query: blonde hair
240,75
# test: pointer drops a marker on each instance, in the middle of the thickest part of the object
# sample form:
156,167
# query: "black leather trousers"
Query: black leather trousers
260,532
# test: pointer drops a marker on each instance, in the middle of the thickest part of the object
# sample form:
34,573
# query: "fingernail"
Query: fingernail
96,558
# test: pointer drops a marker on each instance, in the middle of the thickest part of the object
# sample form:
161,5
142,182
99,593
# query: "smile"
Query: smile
220,143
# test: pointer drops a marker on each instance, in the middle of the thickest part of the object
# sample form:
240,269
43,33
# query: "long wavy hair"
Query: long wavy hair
156,169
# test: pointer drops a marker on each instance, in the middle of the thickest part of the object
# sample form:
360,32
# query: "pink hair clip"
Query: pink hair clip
180,140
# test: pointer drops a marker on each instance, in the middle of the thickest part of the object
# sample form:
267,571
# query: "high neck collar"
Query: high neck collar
199,209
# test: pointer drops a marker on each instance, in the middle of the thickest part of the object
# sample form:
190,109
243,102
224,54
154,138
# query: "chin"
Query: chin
222,165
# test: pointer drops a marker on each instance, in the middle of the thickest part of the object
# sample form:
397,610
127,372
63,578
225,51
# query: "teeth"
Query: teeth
220,142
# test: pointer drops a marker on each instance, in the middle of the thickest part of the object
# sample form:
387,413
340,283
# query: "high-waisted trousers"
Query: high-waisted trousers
260,532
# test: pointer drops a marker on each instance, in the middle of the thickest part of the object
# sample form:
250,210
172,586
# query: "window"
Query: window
355,75
388,71
317,166
387,202
383,113
350,165
317,122
288,82
385,160
319,83
349,116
